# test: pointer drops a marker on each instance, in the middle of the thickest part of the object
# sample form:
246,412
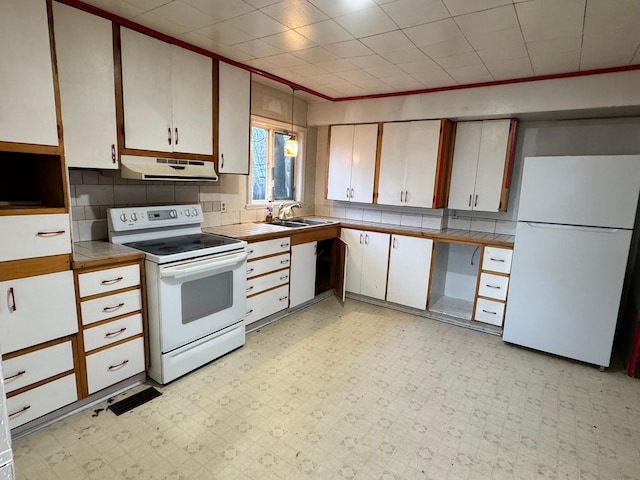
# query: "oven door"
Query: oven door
199,297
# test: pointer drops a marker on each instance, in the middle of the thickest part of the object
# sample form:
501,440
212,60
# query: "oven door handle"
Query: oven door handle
204,266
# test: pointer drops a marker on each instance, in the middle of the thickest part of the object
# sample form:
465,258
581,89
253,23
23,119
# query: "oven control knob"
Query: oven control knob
173,214
195,212
134,217
123,217
187,212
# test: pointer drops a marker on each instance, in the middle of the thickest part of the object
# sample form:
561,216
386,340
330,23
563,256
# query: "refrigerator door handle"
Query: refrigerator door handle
580,228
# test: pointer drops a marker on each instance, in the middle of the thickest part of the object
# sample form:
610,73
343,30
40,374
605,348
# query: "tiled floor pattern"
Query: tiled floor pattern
360,392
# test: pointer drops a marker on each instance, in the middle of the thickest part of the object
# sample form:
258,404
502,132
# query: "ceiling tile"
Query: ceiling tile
160,24
294,13
221,9
225,34
636,58
433,33
435,79
446,49
507,51
388,42
199,40
325,32
118,7
336,8
561,44
307,70
403,83
461,60
258,48
383,71
370,61
607,49
556,62
367,22
289,41
407,13
336,66
460,7
500,18
260,3
470,74
405,56
514,68
184,14
496,39
146,5
282,60
257,24
601,16
539,12
315,55
421,66
355,76
350,48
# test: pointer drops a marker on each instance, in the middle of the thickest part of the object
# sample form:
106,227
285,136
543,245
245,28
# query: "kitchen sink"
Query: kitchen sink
300,222
315,221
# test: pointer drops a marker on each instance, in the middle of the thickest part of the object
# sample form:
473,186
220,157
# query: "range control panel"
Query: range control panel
136,218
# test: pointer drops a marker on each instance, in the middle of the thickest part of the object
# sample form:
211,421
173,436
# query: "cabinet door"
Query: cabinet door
393,158
192,104
355,243
146,92
30,236
375,260
303,273
421,163
234,118
363,164
84,49
409,269
37,309
340,155
491,162
465,164
28,107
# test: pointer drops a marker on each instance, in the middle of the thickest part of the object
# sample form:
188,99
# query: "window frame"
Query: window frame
273,127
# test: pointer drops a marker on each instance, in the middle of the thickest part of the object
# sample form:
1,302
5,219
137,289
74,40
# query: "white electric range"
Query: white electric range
196,285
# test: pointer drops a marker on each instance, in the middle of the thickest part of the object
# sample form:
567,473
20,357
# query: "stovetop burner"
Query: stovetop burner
181,244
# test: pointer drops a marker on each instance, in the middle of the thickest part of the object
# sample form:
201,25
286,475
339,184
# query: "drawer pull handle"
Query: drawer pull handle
250,252
496,259
283,262
13,300
249,288
118,366
284,245
169,135
114,308
112,281
282,299
487,311
492,286
249,312
53,233
250,271
284,277
221,161
176,135
116,333
476,202
22,410
113,153
14,376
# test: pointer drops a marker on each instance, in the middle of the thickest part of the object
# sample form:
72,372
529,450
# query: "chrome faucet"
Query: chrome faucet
285,212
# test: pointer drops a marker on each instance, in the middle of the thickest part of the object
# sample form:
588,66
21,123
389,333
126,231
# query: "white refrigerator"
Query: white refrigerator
575,221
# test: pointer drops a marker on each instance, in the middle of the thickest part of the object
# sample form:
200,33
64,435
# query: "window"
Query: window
274,176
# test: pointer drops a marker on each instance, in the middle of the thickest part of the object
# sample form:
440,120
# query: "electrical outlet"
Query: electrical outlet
223,207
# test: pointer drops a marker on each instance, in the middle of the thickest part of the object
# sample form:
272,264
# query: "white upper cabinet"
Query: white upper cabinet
352,162
482,160
411,164
84,50
28,107
234,117
167,96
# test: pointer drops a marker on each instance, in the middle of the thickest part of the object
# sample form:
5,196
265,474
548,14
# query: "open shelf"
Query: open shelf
455,307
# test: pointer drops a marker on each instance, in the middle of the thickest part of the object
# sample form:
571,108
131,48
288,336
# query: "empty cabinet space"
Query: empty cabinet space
454,280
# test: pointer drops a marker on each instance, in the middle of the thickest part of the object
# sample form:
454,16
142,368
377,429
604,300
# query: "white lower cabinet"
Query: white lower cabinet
489,311
38,365
103,308
36,310
303,273
267,303
39,401
493,285
31,236
115,364
367,260
107,333
409,271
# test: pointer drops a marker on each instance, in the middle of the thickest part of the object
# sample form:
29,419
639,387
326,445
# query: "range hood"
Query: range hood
153,168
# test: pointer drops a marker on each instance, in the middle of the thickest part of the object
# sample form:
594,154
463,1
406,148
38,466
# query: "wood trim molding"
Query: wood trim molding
30,267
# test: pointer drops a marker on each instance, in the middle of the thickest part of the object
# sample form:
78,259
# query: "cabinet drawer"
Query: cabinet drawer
38,402
104,281
30,236
268,247
108,333
37,309
259,284
493,286
106,307
33,367
497,259
265,304
488,311
115,364
266,265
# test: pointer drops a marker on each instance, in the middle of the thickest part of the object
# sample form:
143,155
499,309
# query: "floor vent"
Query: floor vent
134,401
